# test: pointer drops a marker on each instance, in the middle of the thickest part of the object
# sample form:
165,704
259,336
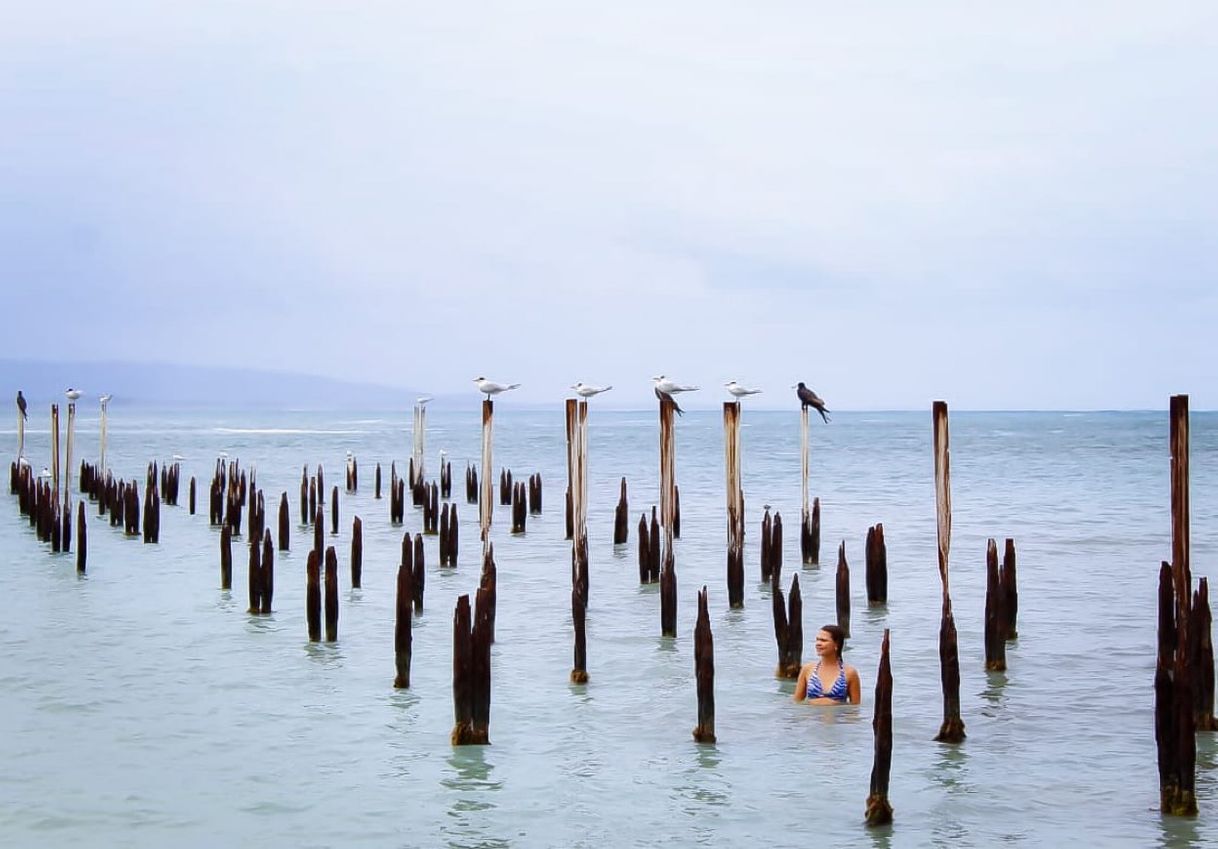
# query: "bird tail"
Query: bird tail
513,386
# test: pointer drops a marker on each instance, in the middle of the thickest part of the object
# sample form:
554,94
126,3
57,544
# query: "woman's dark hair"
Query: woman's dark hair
839,638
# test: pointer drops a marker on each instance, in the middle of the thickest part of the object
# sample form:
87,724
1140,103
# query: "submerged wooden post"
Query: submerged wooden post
488,590
67,466
1202,644
268,571
420,575
879,809
192,495
644,552
776,547
55,452
83,543
331,595
877,565
1175,682
767,522
226,557
1010,591
810,556
313,596
285,531
668,464
843,590
254,576
735,504
577,486
334,512
486,506
357,552
788,628
704,672
377,483
471,674
952,729
420,441
621,518
402,635
995,619
809,536
668,589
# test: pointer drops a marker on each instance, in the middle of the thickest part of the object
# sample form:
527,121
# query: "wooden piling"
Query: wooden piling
1010,591
285,532
767,522
879,809
995,621
357,551
644,552
420,576
704,672
314,503
192,495
331,595
402,635
471,675
621,518
1202,649
319,531
668,589
776,547
579,611
655,549
668,463
788,628
55,452
843,591
255,575
488,591
268,572
377,483
83,542
877,565
313,596
952,729
486,508
226,558
809,556
334,512
809,536
735,504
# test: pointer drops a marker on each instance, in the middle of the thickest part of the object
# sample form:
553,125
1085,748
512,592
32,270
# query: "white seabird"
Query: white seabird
584,390
737,391
422,400
668,387
104,399
71,394
489,387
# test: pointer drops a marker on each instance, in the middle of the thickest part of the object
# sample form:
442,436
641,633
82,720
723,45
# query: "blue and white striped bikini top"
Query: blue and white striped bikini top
837,692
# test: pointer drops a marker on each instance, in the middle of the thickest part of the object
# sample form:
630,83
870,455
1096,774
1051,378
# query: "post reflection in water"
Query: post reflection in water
469,775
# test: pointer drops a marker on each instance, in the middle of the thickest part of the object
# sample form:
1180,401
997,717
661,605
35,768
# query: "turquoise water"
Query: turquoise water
142,706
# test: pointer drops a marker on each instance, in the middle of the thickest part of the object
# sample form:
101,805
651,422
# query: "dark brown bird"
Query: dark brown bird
21,405
808,398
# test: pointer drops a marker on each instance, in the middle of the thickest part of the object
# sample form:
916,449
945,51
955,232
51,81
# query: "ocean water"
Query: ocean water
140,705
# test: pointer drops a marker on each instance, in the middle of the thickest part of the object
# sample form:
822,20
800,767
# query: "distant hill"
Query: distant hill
164,384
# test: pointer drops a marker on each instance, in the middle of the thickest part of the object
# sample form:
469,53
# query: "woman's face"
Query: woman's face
825,647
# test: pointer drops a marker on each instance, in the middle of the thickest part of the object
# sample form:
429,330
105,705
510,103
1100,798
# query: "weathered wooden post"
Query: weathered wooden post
313,596
1175,682
268,571
419,432
879,810
704,671
644,551
668,463
420,575
331,595
486,507
21,415
304,496
843,590
192,495
1010,591
621,518
735,504
488,590
809,536
334,512
357,551
668,589
226,557
577,486
55,452
377,483
67,467
83,542
285,532
952,729
1202,643
254,580
766,524
319,531
809,551
995,618
776,547
788,628
654,555
471,674
402,637
877,565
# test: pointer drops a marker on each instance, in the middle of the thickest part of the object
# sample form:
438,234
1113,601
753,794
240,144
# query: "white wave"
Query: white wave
281,431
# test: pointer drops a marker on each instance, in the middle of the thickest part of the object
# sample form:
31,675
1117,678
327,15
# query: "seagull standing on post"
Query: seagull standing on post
666,388
584,390
489,387
737,391
808,398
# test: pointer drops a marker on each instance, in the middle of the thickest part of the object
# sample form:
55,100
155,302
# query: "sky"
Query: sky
1004,206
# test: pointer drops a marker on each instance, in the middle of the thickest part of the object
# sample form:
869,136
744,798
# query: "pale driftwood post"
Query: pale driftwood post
67,464
879,810
952,729
704,671
486,504
21,435
805,534
420,439
668,463
55,452
104,415
735,504
577,471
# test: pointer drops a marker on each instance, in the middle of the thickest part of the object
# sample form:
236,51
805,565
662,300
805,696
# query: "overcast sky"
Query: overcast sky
1000,205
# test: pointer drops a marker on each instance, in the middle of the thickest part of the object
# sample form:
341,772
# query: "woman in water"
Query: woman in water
829,681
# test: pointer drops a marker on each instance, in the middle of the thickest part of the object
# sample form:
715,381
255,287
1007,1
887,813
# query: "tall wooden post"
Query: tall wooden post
67,465
105,402
486,504
55,452
668,464
879,810
735,504
704,672
809,529
952,729
420,438
577,471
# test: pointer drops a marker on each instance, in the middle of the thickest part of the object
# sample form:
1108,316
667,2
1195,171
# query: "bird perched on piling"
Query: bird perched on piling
105,399
737,391
808,398
422,400
666,388
71,394
490,388
21,406
584,390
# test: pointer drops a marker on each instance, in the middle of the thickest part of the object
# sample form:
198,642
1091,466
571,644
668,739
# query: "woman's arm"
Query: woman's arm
853,687
801,685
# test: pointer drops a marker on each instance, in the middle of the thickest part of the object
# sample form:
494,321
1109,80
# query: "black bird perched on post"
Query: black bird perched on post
21,405
808,398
